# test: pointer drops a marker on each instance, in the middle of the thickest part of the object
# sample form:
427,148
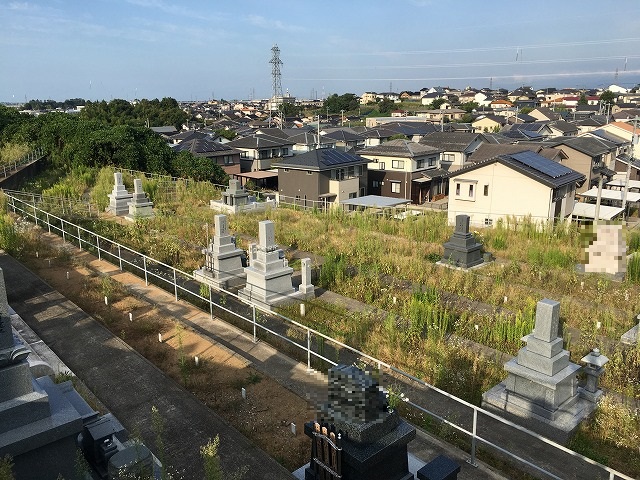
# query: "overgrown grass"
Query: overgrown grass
13,152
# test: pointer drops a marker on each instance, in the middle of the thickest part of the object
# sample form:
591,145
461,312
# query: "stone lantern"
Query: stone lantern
594,367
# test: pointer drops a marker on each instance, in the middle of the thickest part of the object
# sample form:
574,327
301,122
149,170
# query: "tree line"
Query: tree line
105,136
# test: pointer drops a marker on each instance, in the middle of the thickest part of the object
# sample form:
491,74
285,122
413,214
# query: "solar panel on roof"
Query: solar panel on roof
541,164
336,157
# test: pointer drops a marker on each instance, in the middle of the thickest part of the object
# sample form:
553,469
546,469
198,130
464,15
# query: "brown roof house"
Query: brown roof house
405,169
321,178
228,158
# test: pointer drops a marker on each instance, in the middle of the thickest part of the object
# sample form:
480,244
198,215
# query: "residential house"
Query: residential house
488,123
368,97
517,185
376,136
321,178
591,156
527,131
344,137
456,147
226,157
544,114
489,150
560,128
442,114
257,151
306,141
502,107
404,169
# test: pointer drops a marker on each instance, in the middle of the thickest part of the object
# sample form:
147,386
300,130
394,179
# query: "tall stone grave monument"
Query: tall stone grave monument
306,288
541,389
356,435
39,420
119,198
140,206
223,260
268,274
462,249
608,253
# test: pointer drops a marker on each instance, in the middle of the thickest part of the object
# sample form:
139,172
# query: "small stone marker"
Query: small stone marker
106,300
302,310
160,337
196,360
244,393
293,428
67,272
130,317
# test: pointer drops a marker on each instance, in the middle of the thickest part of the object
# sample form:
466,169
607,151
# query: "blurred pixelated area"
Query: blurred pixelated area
605,249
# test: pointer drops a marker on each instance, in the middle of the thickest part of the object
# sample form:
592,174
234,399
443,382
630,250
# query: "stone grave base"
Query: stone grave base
522,411
271,300
446,263
140,211
618,277
222,282
631,336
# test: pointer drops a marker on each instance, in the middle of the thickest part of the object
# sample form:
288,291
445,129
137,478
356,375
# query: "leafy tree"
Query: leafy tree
398,136
583,100
187,165
608,97
526,110
386,106
228,134
437,103
335,103
469,106
290,109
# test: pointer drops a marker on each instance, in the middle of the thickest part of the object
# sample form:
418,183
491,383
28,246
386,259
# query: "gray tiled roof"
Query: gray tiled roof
321,159
205,147
450,141
399,148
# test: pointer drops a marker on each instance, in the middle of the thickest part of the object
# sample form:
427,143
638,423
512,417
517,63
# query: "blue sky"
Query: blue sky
188,49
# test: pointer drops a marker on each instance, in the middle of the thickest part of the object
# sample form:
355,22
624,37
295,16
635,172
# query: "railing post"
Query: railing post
64,239
35,214
472,460
120,257
48,223
98,245
79,239
210,303
253,315
144,264
175,283
308,349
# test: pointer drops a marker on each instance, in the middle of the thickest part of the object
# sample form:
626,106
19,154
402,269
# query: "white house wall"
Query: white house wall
509,193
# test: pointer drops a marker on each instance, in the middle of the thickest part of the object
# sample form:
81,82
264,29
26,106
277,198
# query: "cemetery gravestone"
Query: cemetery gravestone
140,206
372,440
462,249
119,198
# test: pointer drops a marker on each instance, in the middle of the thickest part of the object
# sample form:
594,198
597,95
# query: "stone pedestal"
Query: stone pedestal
608,253
268,274
223,260
119,198
462,249
306,288
541,387
372,440
140,206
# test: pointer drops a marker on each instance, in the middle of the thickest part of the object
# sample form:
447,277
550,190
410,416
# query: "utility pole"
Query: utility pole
634,142
342,118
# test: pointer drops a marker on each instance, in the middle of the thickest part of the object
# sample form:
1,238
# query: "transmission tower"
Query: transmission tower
276,76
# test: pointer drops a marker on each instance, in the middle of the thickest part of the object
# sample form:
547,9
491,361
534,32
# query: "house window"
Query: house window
375,184
286,170
486,190
285,151
399,164
353,195
466,190
381,164
432,161
243,154
420,163
309,172
457,189
488,222
350,172
448,157
395,187
471,191
359,170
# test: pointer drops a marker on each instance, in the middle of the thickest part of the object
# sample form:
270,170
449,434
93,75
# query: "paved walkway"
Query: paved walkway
294,376
128,384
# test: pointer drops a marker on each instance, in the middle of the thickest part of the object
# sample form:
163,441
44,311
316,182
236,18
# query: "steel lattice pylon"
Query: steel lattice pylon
275,74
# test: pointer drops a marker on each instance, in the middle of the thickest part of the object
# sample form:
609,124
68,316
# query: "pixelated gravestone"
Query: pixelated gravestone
140,206
373,440
119,198
608,253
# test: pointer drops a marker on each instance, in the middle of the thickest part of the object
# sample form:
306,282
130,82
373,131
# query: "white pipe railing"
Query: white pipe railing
70,231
